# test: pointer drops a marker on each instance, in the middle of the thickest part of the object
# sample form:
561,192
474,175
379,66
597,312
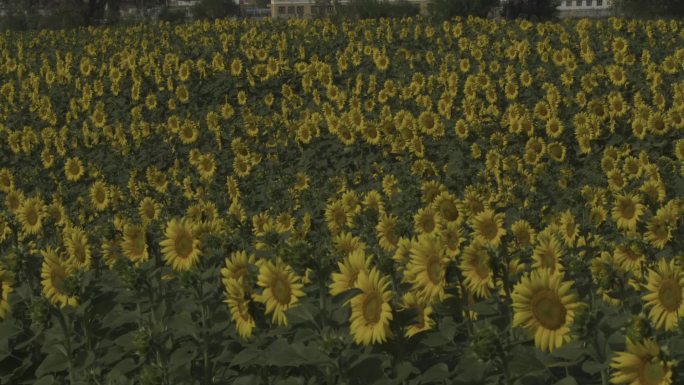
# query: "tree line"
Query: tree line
25,14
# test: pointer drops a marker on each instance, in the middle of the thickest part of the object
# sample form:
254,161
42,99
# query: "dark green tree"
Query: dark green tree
649,8
532,9
446,9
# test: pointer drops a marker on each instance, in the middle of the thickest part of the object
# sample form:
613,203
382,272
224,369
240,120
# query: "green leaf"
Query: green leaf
182,356
593,367
567,381
45,380
436,373
250,379
245,357
524,362
53,362
570,351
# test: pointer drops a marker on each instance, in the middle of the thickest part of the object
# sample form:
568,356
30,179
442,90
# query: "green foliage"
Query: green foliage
649,8
172,15
447,9
533,9
214,9
375,9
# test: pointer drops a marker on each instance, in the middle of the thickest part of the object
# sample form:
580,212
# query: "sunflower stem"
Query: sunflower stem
67,344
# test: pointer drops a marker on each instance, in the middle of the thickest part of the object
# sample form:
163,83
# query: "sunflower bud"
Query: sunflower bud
150,375
485,342
638,328
142,340
39,312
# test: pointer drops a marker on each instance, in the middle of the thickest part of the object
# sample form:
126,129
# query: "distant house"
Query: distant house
305,9
585,8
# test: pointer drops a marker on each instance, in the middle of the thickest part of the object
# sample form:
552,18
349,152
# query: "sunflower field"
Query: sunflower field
356,202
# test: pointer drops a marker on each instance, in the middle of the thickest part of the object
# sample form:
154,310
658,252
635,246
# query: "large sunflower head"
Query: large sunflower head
545,306
665,294
641,364
371,310
181,248
237,266
282,289
547,253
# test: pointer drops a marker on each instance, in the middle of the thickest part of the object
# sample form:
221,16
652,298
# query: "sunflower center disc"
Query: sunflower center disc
372,308
670,295
548,310
652,373
31,217
433,270
281,291
183,245
627,208
489,229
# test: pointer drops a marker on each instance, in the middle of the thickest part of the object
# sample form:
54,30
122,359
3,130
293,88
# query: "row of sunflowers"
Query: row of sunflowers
364,202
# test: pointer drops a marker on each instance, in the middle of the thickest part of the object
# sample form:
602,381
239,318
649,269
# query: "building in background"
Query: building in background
311,8
584,8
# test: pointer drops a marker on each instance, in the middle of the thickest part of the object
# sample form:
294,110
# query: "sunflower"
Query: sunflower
641,364
658,233
488,227
181,249
337,216
373,201
665,297
447,206
31,215
544,305
148,210
282,289
7,179
76,243
134,243
426,269
524,233
371,312
547,254
14,200
238,305
237,265
452,237
423,322
73,169
387,237
6,282
476,267
426,221
346,243
569,228
626,211
99,196
54,275
350,268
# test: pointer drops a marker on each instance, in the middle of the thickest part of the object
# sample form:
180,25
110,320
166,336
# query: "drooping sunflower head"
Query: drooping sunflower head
350,268
54,277
238,305
641,364
422,321
477,269
76,242
181,248
31,214
488,227
426,269
665,294
134,243
387,236
544,305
